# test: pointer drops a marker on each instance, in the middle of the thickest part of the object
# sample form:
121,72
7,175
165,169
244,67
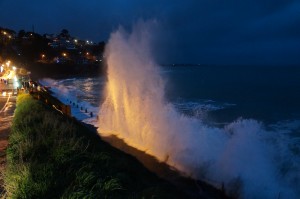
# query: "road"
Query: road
7,107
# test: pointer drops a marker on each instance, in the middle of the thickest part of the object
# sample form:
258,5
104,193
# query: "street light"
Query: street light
16,83
8,63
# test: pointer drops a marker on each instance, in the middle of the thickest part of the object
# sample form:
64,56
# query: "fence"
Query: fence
44,96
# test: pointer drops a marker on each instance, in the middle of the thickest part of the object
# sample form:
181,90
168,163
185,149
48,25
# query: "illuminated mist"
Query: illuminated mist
135,110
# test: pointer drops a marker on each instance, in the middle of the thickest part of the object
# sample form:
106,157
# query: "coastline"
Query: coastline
75,160
193,188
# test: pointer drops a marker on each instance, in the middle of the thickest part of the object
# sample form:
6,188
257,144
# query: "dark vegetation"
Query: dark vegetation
52,156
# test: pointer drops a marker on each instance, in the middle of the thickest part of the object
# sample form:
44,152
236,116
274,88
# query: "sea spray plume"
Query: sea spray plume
135,92
136,111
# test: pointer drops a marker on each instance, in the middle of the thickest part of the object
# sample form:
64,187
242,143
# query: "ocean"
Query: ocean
267,94
236,127
216,96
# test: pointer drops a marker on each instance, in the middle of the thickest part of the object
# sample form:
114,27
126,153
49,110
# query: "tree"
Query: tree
21,34
64,33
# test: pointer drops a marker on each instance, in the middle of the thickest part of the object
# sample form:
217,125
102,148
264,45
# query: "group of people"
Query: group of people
4,81
30,86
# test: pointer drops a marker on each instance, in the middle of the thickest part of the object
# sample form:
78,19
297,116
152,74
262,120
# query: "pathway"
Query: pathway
7,107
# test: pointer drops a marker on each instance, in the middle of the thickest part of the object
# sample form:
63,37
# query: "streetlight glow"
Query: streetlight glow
17,84
7,63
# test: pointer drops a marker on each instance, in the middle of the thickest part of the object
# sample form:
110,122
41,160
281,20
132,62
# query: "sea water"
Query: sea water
216,96
236,126
264,93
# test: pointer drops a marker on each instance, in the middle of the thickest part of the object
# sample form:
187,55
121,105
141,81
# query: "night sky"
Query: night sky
243,32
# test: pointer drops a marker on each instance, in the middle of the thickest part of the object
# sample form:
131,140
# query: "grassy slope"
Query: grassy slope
51,156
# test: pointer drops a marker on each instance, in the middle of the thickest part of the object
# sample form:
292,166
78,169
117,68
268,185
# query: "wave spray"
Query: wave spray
239,155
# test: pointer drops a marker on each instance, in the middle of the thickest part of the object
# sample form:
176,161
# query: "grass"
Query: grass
52,156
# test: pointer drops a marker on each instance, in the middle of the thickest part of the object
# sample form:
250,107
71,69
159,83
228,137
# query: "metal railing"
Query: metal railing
44,96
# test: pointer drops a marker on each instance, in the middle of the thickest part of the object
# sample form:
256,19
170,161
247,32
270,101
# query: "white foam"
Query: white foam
247,158
81,110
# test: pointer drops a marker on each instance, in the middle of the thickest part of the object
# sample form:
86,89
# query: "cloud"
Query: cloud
242,32
191,31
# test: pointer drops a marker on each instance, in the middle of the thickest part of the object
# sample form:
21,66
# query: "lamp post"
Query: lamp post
8,63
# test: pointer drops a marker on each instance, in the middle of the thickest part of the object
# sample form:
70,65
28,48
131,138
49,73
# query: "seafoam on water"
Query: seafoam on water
69,94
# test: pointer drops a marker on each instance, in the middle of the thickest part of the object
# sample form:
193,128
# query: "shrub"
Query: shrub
52,156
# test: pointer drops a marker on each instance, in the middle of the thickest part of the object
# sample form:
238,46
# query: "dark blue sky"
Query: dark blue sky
262,32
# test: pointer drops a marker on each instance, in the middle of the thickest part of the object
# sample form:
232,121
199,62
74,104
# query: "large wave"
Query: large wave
250,161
